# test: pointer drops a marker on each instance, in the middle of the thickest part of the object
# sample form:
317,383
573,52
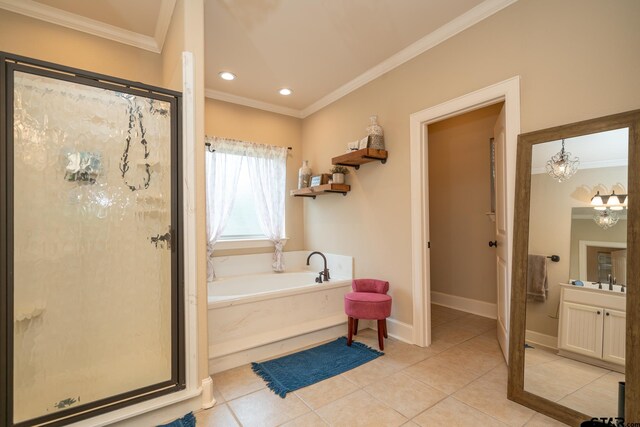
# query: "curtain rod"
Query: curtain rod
208,145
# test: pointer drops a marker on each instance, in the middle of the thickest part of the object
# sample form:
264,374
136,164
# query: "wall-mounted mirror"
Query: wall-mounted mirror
575,276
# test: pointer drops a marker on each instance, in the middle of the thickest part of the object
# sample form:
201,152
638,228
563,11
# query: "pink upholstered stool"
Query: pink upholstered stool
368,301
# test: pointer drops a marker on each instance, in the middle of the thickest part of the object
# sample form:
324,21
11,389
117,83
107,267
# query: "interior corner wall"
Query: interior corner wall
570,70
459,198
174,44
25,36
249,124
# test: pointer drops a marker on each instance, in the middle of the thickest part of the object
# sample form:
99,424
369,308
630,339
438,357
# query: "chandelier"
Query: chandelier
606,218
561,166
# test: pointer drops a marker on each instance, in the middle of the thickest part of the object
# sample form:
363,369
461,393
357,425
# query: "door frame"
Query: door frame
507,91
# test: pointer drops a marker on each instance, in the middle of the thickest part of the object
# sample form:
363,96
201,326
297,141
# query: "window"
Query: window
243,222
245,196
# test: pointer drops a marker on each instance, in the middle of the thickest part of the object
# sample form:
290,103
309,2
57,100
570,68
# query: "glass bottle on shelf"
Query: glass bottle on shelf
375,133
304,175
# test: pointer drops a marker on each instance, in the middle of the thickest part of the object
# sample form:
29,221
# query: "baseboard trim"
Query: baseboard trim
208,401
395,329
480,308
543,340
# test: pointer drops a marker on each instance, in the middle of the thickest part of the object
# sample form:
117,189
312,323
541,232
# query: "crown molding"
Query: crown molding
76,22
450,29
248,102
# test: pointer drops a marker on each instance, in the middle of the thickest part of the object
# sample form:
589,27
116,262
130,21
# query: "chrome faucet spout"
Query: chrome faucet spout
325,271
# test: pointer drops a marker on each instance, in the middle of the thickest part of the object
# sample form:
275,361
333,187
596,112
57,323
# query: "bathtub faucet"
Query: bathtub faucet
324,272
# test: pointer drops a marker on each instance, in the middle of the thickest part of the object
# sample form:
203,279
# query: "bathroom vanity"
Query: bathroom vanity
592,324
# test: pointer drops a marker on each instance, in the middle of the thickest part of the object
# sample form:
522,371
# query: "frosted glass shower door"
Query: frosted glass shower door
93,217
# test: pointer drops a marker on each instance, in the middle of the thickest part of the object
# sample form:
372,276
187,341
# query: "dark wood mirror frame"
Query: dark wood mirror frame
515,388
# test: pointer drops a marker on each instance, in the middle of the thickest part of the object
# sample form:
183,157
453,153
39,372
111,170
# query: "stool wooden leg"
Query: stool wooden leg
355,326
381,334
385,328
350,333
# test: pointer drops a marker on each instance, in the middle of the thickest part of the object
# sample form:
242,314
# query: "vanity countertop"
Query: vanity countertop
593,287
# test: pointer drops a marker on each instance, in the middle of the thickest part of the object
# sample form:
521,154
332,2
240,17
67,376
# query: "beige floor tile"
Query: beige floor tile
475,324
536,356
473,360
440,312
319,394
437,372
370,372
308,420
218,416
237,382
452,412
451,334
598,398
264,408
404,394
540,420
490,396
408,355
557,379
409,424
360,409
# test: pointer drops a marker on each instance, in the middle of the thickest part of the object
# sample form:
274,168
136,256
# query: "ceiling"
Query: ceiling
598,150
321,49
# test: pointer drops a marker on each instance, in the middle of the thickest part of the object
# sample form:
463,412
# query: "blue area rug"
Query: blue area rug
289,373
188,420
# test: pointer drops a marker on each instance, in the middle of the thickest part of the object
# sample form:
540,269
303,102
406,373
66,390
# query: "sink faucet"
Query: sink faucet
324,272
611,280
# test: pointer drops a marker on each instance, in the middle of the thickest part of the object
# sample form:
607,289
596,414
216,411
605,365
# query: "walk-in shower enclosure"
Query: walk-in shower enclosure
91,292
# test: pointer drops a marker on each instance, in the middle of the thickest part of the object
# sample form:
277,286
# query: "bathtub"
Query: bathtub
262,314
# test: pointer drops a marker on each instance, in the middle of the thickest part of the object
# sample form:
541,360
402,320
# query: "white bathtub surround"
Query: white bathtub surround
262,314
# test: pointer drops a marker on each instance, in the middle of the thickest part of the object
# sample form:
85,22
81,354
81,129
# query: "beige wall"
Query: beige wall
249,124
550,232
30,37
571,69
459,198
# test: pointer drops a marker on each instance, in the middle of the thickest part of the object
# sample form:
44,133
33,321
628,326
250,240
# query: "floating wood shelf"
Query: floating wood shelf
319,190
359,157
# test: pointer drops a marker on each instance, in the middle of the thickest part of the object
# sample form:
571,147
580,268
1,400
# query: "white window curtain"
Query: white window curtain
267,172
222,169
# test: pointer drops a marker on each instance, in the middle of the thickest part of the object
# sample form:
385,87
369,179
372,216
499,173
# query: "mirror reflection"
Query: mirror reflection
575,314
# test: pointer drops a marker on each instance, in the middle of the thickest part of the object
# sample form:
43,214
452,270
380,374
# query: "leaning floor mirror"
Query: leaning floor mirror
575,335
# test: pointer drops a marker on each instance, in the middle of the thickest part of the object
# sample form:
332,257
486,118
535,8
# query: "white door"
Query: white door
501,235
614,336
581,329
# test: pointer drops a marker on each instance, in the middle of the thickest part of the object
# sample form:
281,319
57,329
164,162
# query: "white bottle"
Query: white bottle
375,133
304,175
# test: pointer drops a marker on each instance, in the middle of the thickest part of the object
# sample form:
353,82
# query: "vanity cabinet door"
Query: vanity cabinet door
614,336
581,329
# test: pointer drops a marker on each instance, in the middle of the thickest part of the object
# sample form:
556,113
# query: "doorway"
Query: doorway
462,211
509,92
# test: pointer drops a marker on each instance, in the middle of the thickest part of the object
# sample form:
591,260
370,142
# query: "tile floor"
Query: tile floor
583,387
460,380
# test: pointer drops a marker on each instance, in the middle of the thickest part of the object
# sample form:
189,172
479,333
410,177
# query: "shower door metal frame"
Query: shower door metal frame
10,63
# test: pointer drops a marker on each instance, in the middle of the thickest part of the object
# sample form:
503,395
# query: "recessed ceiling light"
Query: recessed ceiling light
285,91
225,75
